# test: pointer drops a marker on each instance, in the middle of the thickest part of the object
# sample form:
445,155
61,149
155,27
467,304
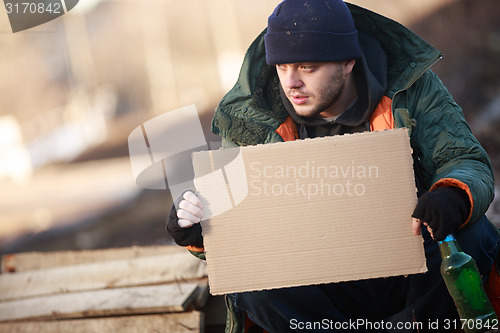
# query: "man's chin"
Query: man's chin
306,113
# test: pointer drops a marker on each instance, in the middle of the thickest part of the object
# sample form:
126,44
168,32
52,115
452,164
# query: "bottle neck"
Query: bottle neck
448,246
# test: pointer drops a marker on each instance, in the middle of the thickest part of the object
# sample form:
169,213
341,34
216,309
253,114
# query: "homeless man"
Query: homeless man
323,67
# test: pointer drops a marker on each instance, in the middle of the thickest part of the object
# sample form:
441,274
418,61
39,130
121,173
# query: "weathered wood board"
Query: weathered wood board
108,302
28,261
101,275
191,322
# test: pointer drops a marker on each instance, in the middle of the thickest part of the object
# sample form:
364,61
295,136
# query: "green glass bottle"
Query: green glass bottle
465,285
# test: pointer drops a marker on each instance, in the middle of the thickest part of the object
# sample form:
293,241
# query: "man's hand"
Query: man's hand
442,211
183,223
190,210
417,227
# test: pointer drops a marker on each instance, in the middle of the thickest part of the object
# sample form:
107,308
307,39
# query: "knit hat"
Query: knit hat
311,31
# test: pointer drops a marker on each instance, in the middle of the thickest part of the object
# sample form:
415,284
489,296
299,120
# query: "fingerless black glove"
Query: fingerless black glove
444,210
183,236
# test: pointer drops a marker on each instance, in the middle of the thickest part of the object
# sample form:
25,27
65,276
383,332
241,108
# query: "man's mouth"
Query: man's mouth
298,99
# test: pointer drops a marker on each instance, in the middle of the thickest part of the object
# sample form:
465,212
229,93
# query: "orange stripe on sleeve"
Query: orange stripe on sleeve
195,249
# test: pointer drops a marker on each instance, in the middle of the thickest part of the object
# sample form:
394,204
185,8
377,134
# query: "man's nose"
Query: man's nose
293,80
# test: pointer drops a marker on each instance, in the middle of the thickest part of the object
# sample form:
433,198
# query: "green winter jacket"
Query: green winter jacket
444,149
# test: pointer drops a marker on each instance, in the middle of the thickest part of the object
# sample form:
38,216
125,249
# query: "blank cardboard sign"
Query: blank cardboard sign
316,211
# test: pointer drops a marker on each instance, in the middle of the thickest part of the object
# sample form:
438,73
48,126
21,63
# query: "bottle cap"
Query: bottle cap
448,238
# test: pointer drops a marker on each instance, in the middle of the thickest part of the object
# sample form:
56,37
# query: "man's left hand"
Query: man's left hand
442,211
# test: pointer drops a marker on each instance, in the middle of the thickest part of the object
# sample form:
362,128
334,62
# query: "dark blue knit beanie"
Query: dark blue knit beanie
311,31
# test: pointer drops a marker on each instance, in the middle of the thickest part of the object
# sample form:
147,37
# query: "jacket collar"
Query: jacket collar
408,55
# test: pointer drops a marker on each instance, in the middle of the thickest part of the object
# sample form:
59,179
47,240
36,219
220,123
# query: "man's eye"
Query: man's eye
280,67
307,68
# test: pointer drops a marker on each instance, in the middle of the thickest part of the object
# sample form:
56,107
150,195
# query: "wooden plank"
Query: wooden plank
203,294
104,275
21,262
191,322
120,301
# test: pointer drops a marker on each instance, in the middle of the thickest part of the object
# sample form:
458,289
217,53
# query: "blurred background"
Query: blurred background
73,89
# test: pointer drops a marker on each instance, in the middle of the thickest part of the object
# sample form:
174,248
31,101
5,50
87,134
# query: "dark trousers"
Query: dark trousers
397,304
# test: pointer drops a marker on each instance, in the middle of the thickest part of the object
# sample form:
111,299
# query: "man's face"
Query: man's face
314,88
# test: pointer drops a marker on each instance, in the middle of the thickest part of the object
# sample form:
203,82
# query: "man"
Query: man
326,68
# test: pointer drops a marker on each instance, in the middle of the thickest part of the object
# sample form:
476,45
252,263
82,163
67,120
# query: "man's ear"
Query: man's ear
348,66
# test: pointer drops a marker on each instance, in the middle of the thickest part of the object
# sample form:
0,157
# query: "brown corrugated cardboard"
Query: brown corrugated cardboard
316,211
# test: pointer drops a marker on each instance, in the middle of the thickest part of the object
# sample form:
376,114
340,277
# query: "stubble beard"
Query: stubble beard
327,97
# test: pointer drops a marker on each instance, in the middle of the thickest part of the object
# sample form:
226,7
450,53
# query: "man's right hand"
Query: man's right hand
190,210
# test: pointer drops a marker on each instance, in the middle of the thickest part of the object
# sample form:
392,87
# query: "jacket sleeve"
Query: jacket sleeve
448,152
